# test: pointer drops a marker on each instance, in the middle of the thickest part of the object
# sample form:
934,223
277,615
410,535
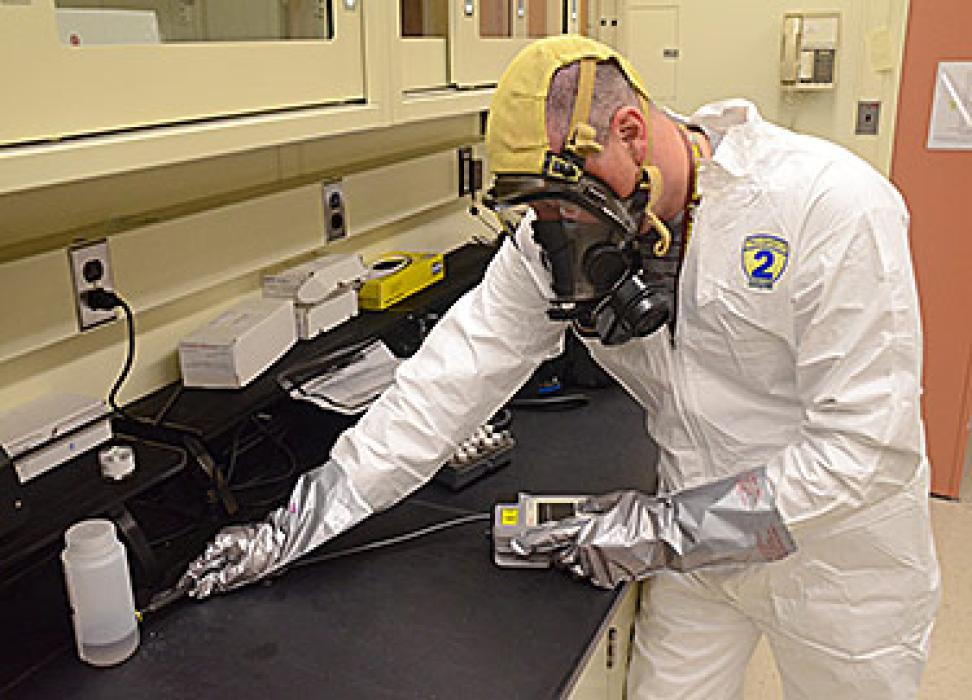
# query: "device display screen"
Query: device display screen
548,512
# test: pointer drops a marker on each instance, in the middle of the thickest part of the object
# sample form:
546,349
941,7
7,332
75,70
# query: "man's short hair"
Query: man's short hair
611,92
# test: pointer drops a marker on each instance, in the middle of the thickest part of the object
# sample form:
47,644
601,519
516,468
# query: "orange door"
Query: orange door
938,188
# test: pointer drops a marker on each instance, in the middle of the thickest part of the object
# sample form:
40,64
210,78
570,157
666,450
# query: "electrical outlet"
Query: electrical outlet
868,117
90,269
335,216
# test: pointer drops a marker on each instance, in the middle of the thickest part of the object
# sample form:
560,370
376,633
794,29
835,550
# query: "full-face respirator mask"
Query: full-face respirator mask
592,245
598,248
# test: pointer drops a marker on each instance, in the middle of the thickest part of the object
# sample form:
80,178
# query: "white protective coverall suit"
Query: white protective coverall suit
806,361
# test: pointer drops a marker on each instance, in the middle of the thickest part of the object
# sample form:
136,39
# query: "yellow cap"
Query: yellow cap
516,131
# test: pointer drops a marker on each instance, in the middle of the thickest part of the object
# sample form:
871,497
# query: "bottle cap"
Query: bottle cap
90,537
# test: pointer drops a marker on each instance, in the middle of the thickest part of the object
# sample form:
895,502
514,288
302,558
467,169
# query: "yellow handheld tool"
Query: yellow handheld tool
394,276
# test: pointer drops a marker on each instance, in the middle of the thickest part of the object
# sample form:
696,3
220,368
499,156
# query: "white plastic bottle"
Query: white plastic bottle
100,590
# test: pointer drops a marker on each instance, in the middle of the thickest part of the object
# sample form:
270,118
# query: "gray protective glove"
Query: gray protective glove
323,504
625,536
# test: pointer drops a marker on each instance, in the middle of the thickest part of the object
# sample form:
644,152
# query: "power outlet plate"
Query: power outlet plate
90,269
868,118
335,215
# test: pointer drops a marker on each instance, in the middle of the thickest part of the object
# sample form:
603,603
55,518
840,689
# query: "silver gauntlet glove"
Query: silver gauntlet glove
323,504
627,535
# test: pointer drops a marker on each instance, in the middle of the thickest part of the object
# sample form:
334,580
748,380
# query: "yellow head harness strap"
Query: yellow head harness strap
582,141
581,135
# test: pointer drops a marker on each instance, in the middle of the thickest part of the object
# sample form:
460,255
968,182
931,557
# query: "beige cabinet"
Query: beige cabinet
72,67
604,674
97,87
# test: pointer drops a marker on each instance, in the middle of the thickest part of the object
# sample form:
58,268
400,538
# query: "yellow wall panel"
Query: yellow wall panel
181,257
382,195
88,363
101,203
37,307
181,271
358,152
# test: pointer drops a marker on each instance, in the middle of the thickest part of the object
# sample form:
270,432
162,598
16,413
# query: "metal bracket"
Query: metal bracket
470,172
137,543
209,467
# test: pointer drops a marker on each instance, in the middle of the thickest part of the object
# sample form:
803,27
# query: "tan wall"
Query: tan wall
190,240
732,49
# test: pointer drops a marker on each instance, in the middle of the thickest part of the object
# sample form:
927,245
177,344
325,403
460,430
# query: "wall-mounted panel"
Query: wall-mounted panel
651,37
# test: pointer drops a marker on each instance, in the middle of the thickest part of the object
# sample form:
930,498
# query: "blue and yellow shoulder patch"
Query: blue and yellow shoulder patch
764,258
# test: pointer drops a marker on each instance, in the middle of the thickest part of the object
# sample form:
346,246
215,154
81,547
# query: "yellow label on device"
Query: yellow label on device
510,516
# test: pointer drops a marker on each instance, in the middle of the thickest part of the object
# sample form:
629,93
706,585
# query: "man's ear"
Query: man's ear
630,126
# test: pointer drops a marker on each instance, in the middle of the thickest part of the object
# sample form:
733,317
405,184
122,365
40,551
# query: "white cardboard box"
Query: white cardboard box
313,281
313,319
324,291
49,431
236,346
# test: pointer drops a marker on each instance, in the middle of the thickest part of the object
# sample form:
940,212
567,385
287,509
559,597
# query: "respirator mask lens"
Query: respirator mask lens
590,243
583,253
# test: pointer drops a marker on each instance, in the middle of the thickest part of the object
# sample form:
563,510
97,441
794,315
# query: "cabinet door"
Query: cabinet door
604,675
73,67
485,35
423,39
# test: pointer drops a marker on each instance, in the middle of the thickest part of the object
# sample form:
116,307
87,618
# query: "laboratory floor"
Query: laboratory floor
948,675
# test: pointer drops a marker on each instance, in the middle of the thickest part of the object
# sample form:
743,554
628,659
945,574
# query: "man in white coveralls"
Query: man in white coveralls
752,289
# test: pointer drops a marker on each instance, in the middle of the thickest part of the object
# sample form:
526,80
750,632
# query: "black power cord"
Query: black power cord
100,299
107,300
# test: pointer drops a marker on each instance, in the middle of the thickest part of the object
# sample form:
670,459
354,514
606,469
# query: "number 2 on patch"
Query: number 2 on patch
764,271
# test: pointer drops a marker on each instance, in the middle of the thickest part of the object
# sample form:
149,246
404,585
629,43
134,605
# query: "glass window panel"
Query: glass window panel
425,17
87,22
495,18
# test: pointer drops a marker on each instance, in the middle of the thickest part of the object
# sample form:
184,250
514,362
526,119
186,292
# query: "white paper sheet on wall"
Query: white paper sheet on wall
951,120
